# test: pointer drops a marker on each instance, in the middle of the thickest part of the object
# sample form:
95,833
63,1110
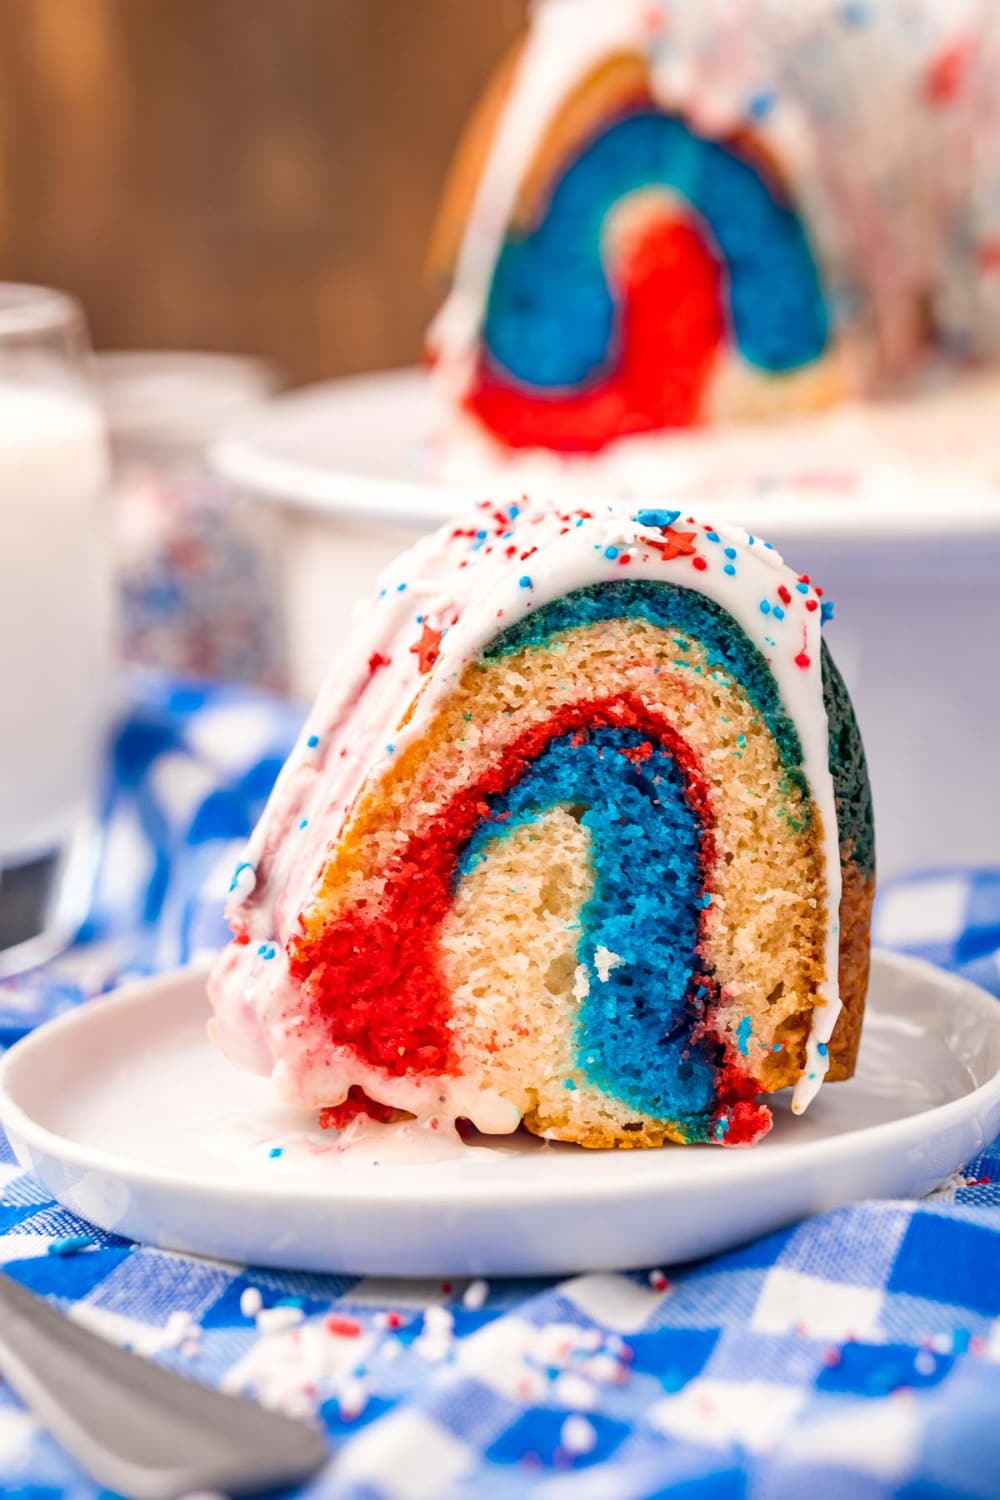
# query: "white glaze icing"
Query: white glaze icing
464,584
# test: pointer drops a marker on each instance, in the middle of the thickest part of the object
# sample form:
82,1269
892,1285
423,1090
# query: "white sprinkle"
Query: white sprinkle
251,1302
555,1344
925,1363
244,882
435,1341
604,1369
475,1295
438,1320
573,1391
272,1320
581,983
353,1399
578,1435
177,1330
605,961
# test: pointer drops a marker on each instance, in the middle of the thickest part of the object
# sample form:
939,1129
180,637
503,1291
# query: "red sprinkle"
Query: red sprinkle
428,648
802,660
699,563
344,1328
811,605
946,72
783,594
377,660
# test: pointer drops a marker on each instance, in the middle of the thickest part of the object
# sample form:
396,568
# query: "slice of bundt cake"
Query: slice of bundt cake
578,834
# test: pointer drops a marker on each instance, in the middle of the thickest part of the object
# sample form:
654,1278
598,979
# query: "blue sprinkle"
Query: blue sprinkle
513,511
569,1084
420,619
777,1047
779,613
70,1245
525,582
730,570
960,1340
769,546
825,611
713,536
611,553
390,749
720,1128
803,588
761,105
304,823
765,606
580,522
730,552
267,950
705,901
822,1049
400,588
656,518
751,539
276,1151
313,741
743,1037
482,535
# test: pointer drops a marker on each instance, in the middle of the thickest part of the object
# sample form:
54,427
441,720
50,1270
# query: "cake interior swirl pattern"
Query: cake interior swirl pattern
578,835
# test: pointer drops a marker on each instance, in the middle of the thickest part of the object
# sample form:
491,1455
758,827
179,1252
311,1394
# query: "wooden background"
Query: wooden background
244,175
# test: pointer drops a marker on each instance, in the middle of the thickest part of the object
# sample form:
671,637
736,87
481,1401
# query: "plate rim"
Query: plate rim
911,1129
336,492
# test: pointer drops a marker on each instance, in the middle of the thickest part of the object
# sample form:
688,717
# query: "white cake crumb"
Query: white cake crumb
605,961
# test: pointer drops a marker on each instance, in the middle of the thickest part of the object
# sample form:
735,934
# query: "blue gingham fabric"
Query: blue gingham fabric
856,1355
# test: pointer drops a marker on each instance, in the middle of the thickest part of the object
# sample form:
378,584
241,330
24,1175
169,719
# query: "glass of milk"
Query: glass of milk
55,612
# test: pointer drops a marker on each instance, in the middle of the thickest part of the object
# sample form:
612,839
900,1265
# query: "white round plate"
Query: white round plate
363,448
129,1117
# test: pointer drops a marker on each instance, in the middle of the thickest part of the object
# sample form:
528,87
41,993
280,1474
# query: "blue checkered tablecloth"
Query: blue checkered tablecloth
856,1355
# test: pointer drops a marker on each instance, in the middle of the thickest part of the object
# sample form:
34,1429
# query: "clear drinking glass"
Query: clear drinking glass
55,619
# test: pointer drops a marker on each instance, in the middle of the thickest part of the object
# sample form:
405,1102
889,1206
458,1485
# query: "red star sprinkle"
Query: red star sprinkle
428,648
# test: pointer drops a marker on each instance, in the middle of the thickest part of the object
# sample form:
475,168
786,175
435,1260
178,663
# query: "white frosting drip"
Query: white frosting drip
461,581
